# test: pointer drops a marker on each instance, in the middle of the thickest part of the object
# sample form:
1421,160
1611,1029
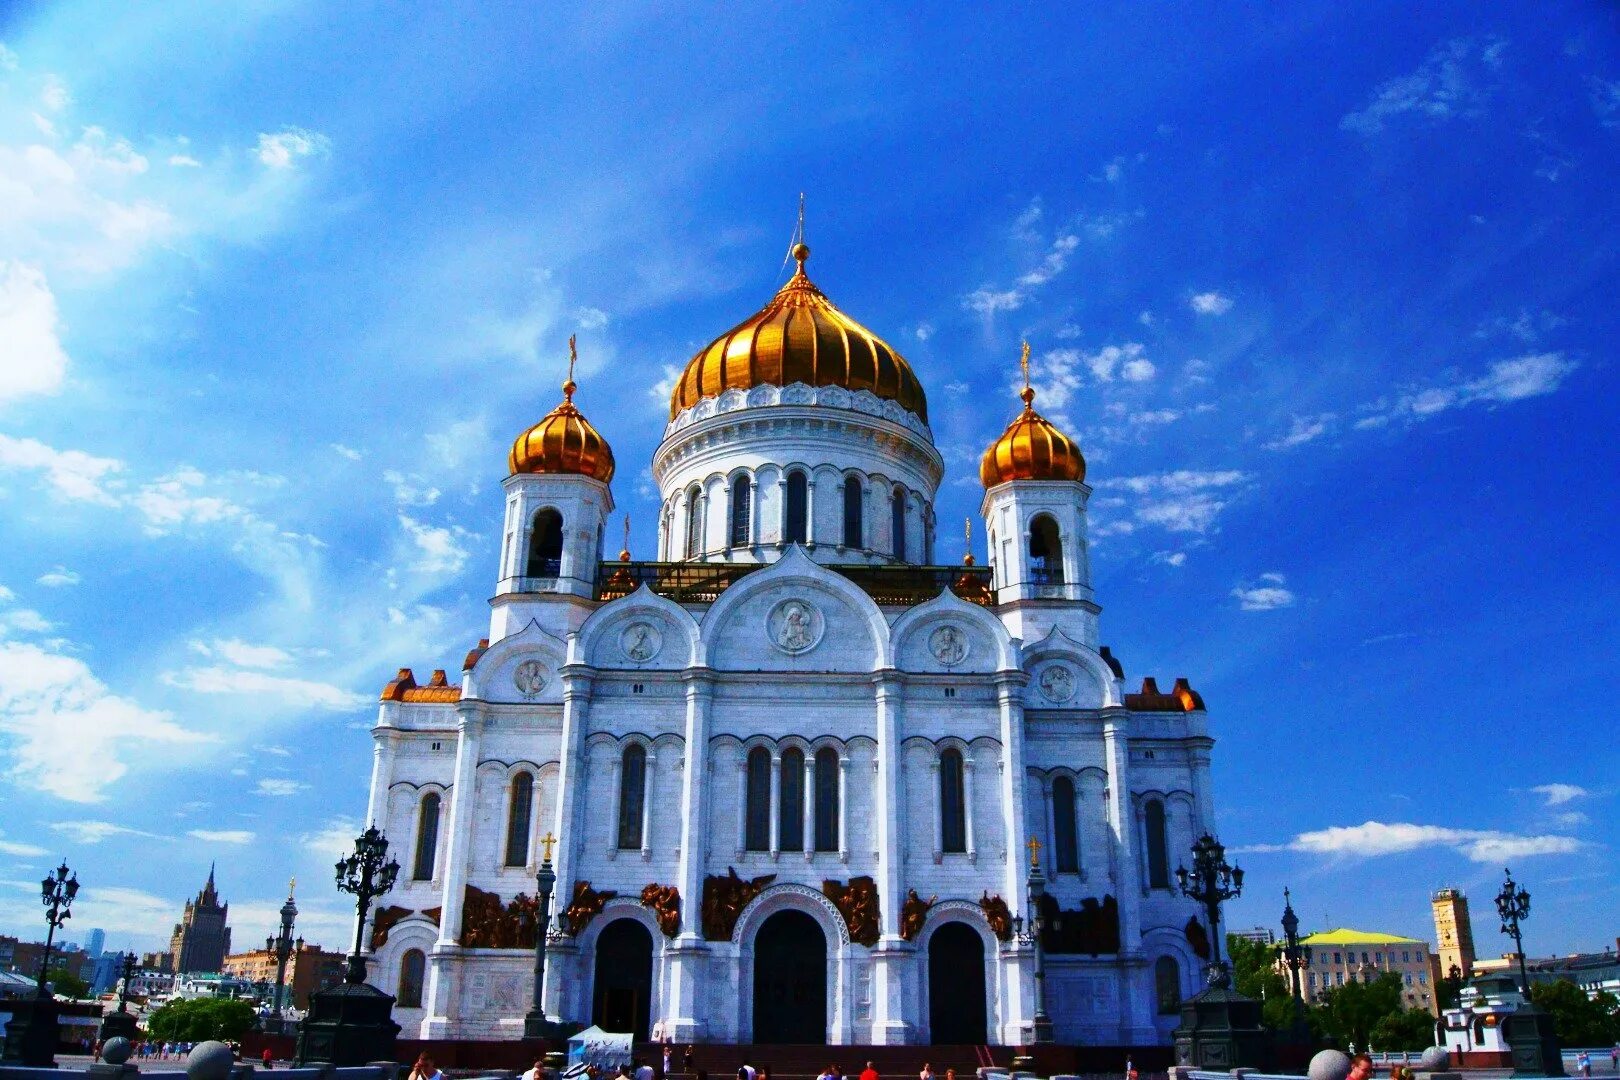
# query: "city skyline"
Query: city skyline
1326,301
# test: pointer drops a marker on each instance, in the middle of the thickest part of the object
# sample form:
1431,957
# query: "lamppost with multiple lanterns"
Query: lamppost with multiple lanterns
281,946
366,876
1513,905
57,890
1037,925
1211,882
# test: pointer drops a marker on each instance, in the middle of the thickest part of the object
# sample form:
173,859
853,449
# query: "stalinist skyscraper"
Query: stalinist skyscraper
201,939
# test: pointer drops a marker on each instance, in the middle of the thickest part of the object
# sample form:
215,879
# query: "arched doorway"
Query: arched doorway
790,980
622,999
956,1005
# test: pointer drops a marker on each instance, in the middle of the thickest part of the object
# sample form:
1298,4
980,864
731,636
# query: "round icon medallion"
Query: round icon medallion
1057,683
795,626
948,644
641,641
529,678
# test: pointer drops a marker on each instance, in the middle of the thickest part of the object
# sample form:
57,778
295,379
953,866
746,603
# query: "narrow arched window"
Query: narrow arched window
1167,984
1158,847
1045,552
796,515
545,544
632,795
952,805
853,497
742,496
518,813
427,837
1063,826
757,808
412,969
826,799
897,523
694,524
792,799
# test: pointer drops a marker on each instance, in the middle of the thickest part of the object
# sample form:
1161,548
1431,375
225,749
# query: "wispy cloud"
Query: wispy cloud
1183,500
1304,429
95,832
1505,381
285,148
278,786
1372,839
299,693
1267,593
57,578
36,362
1451,82
222,836
1559,794
1210,303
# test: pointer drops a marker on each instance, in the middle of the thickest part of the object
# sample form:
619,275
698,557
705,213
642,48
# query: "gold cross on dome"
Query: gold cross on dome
1034,846
1023,362
573,357
546,842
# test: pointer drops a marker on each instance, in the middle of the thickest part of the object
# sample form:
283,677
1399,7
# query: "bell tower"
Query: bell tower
557,504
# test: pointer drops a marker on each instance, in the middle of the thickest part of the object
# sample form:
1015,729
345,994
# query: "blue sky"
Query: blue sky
1327,296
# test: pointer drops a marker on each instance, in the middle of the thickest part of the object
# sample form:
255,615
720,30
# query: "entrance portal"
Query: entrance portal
622,1000
790,980
956,1006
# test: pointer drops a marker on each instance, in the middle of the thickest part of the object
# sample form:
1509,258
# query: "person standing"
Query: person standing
1583,1062
537,1072
927,1072
747,1071
669,1053
643,1071
869,1073
424,1069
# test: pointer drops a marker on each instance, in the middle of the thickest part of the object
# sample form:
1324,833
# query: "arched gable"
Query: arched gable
1066,674
794,616
520,669
947,634
639,632
789,895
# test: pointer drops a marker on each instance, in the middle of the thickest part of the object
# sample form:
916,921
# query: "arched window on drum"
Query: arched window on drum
632,795
854,497
742,497
796,510
897,523
518,811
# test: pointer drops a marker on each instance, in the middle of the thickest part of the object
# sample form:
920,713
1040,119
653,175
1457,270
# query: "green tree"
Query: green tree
1255,975
1579,1020
1448,992
1350,1012
1409,1029
196,1019
68,984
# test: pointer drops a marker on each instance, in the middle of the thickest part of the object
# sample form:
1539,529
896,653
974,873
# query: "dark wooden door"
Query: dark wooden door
790,980
956,1002
623,993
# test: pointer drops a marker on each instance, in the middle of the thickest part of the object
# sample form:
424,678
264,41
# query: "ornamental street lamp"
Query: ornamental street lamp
1294,955
57,890
1211,882
366,876
1037,925
535,1025
282,947
1513,905
126,972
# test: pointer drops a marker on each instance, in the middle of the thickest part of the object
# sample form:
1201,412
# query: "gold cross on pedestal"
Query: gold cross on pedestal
1034,846
546,842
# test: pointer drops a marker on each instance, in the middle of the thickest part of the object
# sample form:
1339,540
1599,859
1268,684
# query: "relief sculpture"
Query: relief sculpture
665,901
724,899
858,902
997,915
586,905
486,923
385,920
1197,938
1093,930
913,913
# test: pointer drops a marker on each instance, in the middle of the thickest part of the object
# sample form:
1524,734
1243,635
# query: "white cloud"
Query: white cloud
1126,361
94,832
591,318
1184,500
299,693
333,840
70,474
243,654
184,161
1053,264
58,716
1505,381
57,577
347,452
278,786
286,147
1156,416
410,490
35,362
438,550
924,331
1267,594
222,836
1559,794
662,390
1170,558
1375,838
1446,85
1304,429
987,300
1210,303
21,851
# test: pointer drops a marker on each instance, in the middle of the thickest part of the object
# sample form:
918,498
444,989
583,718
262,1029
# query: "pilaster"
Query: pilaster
686,957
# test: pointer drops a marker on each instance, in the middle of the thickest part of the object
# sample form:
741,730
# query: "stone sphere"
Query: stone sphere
1434,1059
1329,1065
115,1051
211,1061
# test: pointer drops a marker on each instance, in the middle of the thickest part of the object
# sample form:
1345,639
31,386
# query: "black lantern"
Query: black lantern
1211,882
366,876
1513,905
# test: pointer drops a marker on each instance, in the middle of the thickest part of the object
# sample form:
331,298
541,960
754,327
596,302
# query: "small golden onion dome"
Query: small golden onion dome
1031,449
563,442
799,337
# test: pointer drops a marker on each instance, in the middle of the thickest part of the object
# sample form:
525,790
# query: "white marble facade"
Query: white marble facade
887,710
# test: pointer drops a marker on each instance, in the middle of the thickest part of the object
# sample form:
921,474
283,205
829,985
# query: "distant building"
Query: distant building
1259,935
1593,971
201,939
108,970
309,968
158,961
96,943
149,983
1453,932
1345,955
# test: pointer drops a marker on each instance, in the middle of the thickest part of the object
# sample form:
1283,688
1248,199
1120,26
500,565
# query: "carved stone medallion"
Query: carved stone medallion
795,626
948,644
1057,683
641,641
530,678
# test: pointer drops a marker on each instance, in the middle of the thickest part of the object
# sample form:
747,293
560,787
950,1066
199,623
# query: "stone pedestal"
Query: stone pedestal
31,1034
1529,1034
350,1024
1221,1031
117,1025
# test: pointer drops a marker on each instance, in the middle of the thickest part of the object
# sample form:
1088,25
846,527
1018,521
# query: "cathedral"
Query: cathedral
801,780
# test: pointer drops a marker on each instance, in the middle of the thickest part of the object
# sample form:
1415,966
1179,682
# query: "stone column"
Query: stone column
937,805
892,959
776,804
1136,1024
615,785
809,801
967,808
843,806
686,955
443,1012
647,775
384,744
1018,962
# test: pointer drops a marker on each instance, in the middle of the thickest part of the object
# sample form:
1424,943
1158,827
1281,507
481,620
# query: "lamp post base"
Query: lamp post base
349,1024
1532,1042
1221,1030
31,1034
118,1025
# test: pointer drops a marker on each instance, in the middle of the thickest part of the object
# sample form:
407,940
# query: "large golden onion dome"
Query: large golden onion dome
799,337
563,441
1031,448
